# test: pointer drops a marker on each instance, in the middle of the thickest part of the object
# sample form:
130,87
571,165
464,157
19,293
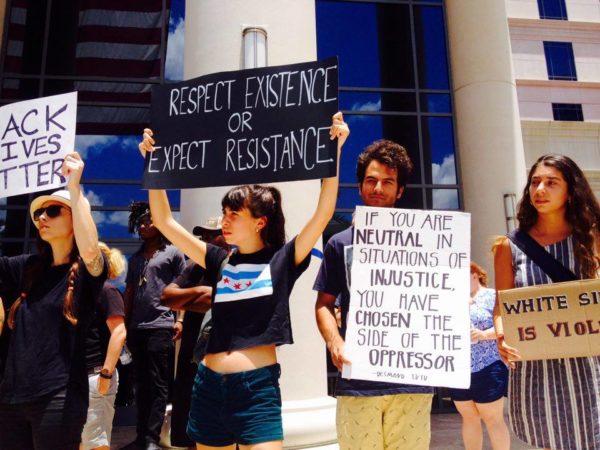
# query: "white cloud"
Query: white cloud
106,218
368,106
175,48
445,199
444,173
85,144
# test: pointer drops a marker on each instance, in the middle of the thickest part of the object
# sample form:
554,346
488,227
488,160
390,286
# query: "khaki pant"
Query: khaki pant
400,421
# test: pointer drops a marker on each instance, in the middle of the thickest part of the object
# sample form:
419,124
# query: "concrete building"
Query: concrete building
556,58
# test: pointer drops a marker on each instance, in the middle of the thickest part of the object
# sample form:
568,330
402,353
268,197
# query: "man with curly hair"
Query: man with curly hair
370,414
151,325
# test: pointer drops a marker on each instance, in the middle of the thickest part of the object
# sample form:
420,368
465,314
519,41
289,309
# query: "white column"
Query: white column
488,127
213,43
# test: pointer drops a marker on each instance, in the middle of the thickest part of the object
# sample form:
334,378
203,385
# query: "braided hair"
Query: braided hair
35,271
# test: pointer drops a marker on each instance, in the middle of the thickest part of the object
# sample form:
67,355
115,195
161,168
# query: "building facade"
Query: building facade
556,55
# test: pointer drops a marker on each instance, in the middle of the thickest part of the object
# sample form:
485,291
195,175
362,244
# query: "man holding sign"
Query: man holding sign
369,414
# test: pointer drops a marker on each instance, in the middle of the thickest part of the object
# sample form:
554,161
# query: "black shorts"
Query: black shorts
487,385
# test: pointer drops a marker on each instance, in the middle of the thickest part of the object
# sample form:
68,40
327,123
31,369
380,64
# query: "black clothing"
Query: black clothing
45,351
193,275
152,352
250,304
110,303
53,421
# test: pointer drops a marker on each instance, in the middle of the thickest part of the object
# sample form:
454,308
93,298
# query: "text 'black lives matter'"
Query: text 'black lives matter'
249,126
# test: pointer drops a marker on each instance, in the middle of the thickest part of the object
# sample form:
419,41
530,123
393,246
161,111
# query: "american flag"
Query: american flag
111,45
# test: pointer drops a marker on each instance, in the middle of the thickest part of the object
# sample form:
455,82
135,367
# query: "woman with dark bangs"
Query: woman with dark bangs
44,392
554,403
236,397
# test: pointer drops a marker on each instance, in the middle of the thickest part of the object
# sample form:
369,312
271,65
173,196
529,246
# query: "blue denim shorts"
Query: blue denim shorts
241,407
487,385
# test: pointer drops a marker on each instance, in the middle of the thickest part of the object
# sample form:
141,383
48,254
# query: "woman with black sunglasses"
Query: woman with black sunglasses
44,390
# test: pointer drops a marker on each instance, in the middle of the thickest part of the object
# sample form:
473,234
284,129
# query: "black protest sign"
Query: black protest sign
249,126
35,137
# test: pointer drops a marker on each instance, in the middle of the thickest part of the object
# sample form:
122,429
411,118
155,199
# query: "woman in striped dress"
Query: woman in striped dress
554,403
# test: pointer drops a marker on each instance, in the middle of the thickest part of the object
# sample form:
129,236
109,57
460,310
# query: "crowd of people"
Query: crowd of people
66,325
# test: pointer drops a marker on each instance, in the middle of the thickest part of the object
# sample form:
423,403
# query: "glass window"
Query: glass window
445,199
430,37
436,103
567,112
438,146
372,40
366,129
378,101
560,61
552,9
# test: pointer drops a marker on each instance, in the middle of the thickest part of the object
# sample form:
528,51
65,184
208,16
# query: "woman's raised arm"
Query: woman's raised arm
162,218
327,199
84,228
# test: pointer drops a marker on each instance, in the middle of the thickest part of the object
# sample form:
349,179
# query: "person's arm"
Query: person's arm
178,325
84,228
178,298
324,311
162,218
327,199
118,334
504,280
483,335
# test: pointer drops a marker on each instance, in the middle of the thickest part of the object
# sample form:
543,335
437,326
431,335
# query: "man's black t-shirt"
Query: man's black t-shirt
250,304
47,353
110,303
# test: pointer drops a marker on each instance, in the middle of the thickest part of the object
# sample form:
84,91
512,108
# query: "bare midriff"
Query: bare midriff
241,360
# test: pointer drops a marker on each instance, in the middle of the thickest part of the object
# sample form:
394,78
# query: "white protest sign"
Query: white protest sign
35,137
408,320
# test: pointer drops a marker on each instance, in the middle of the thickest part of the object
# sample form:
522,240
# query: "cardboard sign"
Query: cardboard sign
36,136
408,320
249,126
549,321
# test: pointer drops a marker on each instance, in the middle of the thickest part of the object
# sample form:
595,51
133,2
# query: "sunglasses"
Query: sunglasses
51,211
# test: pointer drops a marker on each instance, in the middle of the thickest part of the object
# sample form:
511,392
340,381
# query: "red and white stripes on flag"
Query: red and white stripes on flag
104,42
117,38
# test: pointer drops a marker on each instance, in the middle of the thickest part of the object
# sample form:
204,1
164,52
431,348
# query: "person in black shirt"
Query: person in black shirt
104,342
150,325
44,391
239,376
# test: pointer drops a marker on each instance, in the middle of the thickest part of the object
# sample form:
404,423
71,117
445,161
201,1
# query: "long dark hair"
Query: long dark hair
582,210
261,201
32,274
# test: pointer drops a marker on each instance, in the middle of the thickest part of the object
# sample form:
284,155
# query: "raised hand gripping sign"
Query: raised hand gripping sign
249,126
408,320
36,136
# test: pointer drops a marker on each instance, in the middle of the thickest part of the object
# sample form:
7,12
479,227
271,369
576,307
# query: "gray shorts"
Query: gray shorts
98,427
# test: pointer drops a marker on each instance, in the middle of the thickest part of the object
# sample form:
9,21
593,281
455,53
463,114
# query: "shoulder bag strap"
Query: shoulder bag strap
538,254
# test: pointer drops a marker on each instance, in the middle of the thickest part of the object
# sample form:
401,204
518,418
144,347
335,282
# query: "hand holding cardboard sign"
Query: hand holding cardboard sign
73,169
507,353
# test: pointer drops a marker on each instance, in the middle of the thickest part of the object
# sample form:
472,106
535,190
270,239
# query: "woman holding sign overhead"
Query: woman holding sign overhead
554,403
239,376
44,392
